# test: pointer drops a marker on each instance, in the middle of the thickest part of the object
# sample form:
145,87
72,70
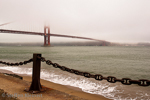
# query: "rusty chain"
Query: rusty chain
99,77
16,64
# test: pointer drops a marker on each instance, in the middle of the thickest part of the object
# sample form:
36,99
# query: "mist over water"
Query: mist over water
121,62
125,21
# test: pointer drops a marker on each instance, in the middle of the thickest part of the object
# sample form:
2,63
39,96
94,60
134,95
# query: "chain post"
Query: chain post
35,84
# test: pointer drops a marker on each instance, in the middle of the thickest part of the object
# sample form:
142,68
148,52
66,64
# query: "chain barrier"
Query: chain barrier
99,77
16,64
14,75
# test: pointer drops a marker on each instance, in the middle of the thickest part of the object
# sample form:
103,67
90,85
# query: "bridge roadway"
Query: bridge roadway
42,34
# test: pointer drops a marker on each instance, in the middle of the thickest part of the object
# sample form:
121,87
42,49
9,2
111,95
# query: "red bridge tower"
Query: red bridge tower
46,36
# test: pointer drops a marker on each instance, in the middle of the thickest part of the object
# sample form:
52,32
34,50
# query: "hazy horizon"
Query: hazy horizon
119,21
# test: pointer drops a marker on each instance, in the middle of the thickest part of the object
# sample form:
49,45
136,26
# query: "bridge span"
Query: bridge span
46,35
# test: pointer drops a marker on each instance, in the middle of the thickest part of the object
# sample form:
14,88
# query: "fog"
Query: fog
125,21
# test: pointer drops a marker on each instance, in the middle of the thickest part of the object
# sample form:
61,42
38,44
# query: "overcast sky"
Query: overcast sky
125,21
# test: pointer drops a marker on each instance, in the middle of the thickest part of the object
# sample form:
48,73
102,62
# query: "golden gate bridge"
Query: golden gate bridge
46,34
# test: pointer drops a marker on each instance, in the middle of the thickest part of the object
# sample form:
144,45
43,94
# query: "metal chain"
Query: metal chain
99,77
14,75
16,64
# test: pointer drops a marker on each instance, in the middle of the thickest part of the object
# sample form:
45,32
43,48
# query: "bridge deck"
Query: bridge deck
42,34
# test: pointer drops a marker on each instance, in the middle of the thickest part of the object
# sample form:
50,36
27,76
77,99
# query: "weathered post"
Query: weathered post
35,85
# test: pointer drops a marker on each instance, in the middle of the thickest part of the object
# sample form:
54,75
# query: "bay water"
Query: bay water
120,62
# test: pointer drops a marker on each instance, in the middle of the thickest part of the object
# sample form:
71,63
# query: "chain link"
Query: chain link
99,77
16,64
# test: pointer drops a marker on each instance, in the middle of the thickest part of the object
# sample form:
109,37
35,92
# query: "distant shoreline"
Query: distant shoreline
77,44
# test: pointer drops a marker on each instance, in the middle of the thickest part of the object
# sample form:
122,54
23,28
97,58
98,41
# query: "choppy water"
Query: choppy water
121,62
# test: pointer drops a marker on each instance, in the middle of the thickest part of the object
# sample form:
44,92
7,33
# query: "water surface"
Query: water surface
121,62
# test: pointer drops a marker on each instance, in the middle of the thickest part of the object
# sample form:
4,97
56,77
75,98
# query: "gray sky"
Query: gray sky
125,21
